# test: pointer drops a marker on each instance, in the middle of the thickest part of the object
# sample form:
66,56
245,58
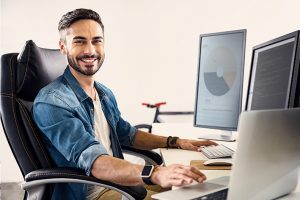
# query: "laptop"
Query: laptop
265,163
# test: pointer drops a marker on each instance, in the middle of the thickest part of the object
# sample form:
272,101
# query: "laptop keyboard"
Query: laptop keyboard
220,195
219,151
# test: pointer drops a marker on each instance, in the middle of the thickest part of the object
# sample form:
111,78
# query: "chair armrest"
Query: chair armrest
150,157
144,126
66,175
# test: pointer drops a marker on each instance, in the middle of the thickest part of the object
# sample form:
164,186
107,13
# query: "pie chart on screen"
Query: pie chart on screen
220,71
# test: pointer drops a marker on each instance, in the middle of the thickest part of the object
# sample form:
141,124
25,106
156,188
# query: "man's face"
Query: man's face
84,47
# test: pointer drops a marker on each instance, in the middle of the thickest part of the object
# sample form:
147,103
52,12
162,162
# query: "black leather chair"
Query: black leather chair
23,75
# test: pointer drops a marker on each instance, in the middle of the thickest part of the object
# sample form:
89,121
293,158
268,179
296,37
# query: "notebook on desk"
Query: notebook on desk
265,164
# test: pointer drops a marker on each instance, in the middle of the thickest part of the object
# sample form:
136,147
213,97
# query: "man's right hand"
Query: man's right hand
176,175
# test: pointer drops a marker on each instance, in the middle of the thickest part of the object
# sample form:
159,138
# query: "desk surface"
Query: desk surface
187,131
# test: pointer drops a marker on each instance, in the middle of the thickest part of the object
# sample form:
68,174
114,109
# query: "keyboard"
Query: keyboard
219,151
219,195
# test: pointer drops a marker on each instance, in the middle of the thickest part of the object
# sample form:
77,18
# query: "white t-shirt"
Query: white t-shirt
102,132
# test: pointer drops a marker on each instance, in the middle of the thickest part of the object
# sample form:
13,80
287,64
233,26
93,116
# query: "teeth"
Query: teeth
88,60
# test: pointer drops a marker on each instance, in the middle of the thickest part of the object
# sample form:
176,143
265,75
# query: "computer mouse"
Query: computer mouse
218,162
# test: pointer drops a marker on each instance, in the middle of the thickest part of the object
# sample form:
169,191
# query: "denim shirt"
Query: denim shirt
64,114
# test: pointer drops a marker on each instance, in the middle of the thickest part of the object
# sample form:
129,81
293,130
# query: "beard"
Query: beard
89,70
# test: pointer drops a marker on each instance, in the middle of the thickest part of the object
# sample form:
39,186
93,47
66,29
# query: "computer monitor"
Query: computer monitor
220,81
274,74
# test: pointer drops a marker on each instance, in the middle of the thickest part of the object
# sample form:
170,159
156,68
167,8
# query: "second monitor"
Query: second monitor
274,75
220,81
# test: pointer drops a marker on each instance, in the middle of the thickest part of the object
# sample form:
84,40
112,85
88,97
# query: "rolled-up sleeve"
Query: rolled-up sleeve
126,132
89,155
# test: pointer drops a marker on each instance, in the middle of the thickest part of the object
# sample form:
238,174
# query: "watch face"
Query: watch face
173,140
147,171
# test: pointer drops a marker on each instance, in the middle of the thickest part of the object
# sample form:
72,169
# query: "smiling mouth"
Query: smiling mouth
88,60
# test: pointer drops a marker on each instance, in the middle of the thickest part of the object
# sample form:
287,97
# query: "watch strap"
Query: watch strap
147,181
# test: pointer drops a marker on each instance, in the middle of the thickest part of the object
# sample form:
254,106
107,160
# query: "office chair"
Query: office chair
22,76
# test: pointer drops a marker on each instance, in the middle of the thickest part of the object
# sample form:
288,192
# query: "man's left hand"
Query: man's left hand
193,145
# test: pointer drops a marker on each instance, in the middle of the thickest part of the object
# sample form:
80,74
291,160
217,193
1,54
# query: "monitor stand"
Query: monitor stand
220,135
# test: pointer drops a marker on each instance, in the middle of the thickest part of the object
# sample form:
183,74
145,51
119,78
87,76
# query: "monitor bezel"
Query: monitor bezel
244,32
293,100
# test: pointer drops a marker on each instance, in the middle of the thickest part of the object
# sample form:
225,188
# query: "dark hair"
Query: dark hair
73,16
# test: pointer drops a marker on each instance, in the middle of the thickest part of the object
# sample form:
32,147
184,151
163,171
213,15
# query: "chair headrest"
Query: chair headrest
36,68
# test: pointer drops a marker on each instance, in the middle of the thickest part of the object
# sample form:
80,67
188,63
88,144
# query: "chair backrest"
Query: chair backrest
22,76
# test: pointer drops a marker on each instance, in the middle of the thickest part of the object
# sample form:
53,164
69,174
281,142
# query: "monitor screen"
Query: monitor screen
220,80
274,74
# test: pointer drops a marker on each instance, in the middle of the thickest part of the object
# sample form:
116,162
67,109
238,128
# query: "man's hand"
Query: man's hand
176,175
194,145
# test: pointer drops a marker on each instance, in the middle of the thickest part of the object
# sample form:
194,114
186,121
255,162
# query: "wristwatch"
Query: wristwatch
146,174
172,141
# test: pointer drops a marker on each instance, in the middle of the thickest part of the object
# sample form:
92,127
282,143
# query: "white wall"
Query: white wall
151,45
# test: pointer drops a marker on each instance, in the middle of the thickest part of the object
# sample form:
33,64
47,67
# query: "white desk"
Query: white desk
187,131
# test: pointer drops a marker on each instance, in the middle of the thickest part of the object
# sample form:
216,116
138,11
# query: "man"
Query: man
82,126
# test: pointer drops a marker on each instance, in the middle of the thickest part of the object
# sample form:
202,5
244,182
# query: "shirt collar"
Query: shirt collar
74,84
